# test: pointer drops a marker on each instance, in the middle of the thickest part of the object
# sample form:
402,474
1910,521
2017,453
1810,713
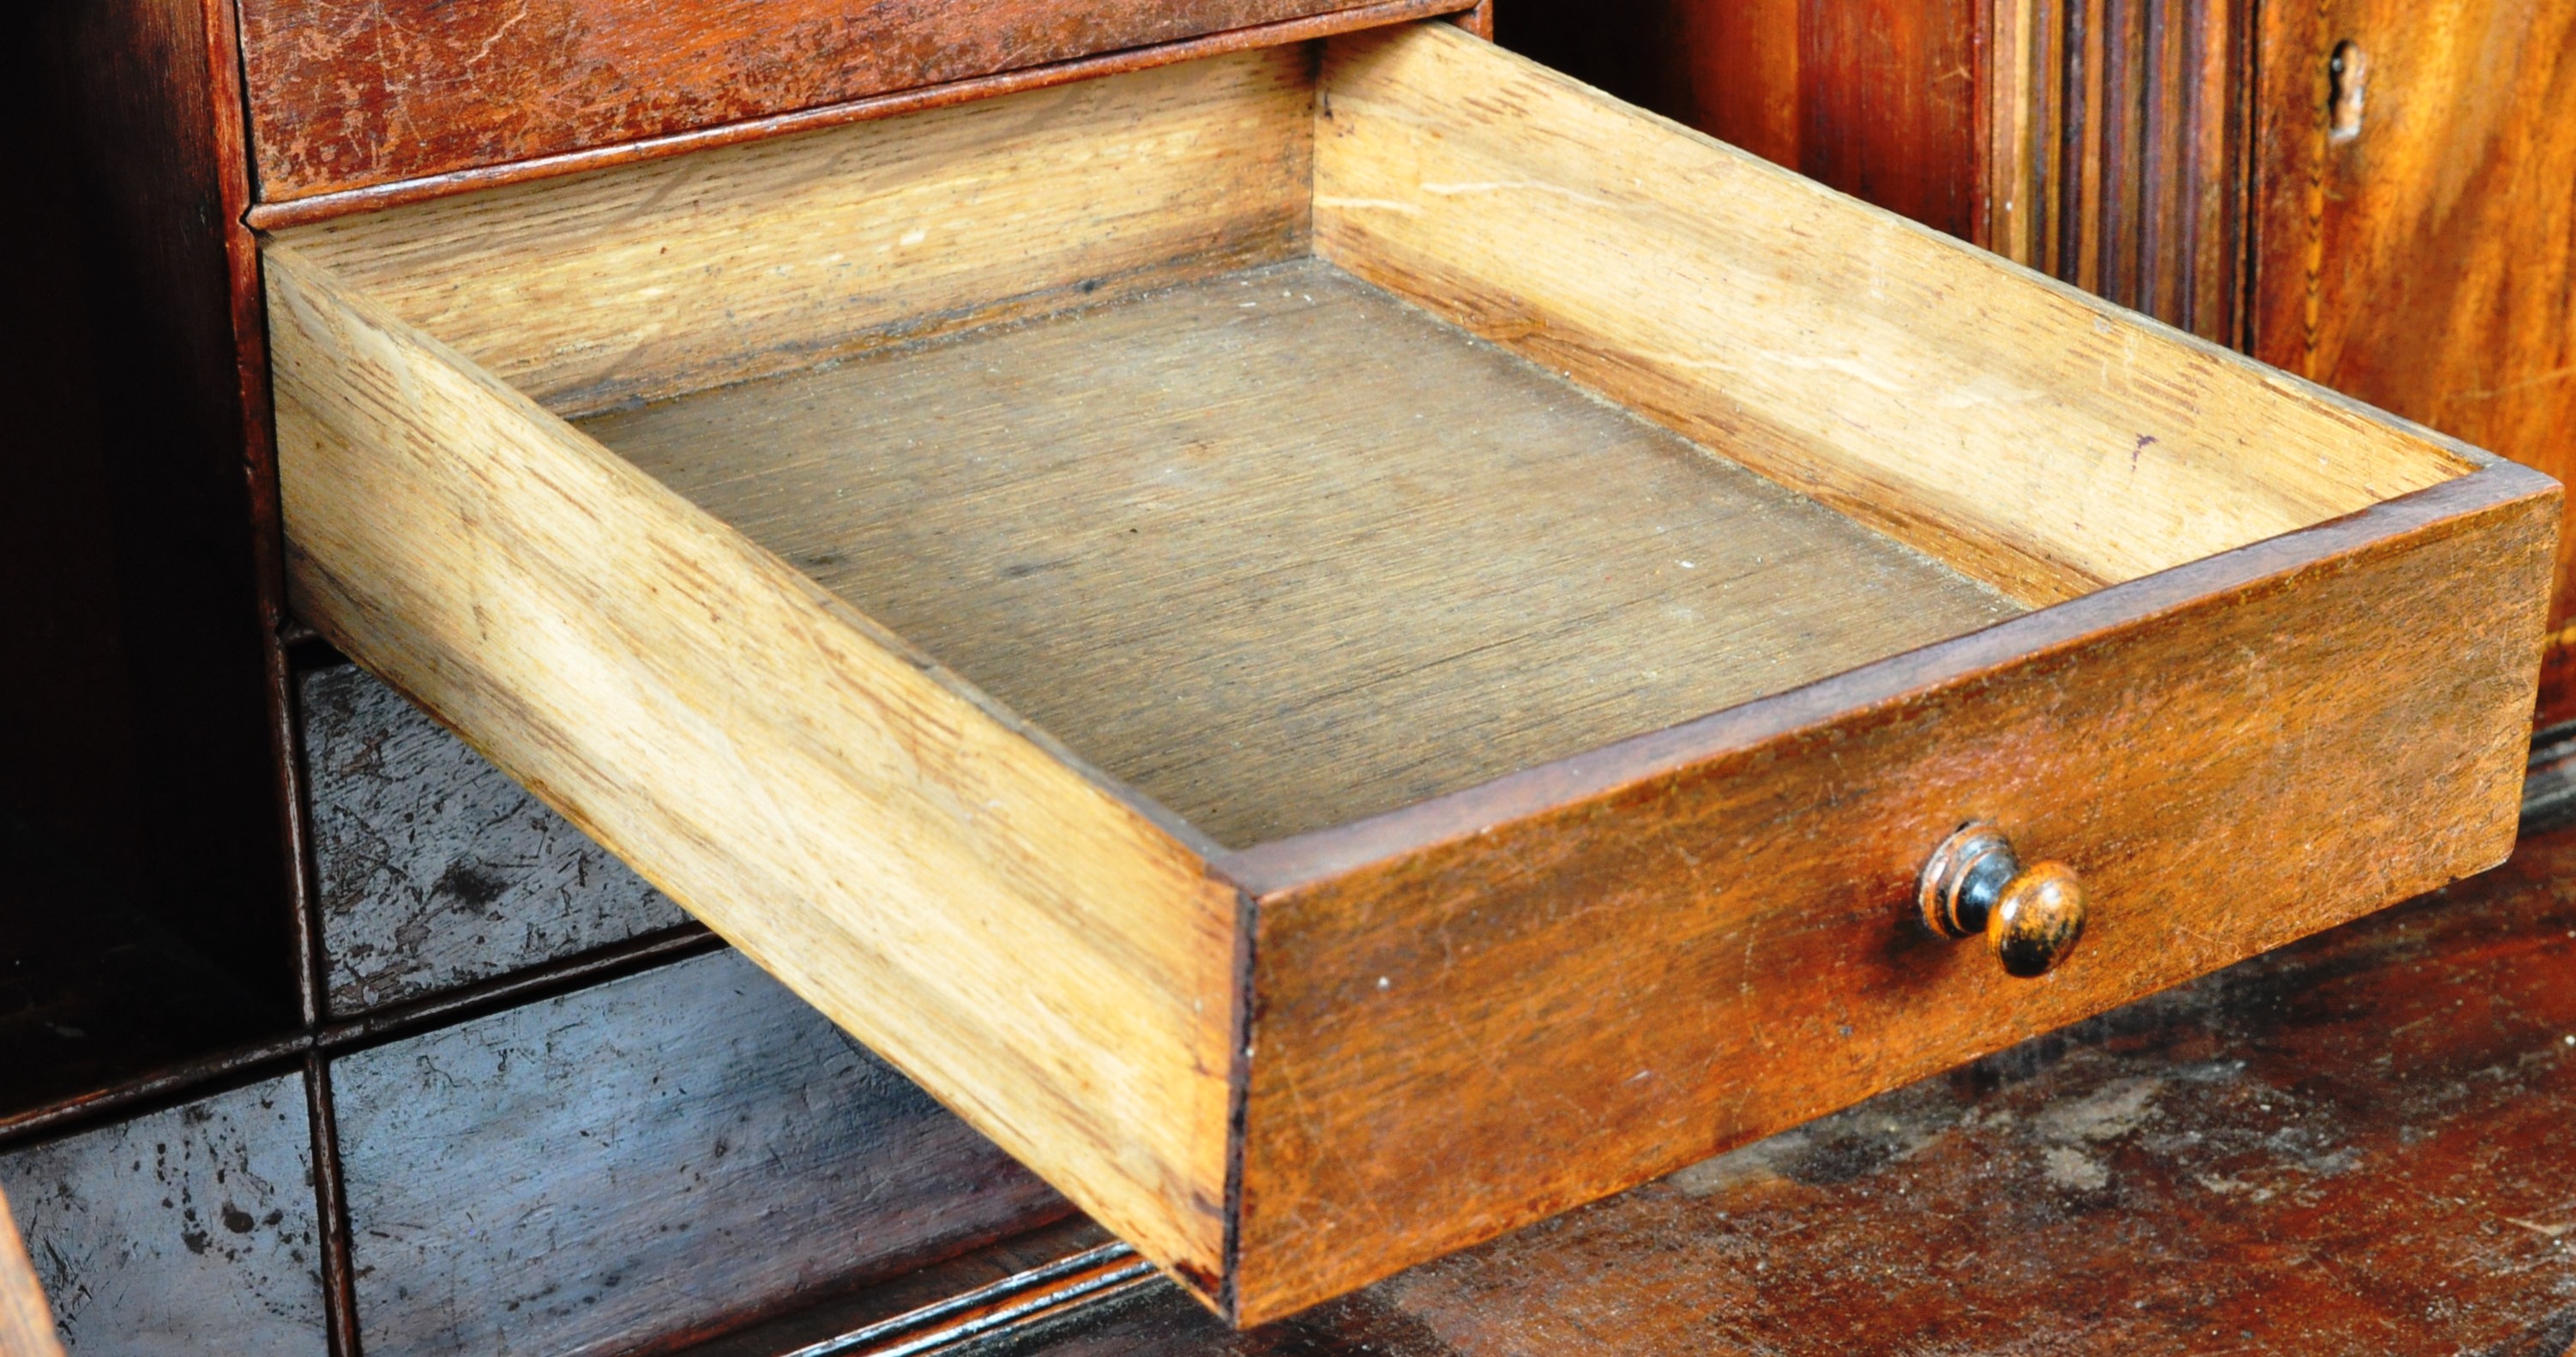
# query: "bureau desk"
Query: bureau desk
1336,642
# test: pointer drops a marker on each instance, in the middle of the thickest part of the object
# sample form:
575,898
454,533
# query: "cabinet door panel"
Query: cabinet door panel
2419,253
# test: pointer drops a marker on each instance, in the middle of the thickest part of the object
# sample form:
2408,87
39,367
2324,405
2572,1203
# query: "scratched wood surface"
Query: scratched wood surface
1417,977
668,1153
432,868
2356,1144
1459,1033
2264,595
189,1229
862,822
1878,100
346,95
1282,552
2426,260
26,1318
660,279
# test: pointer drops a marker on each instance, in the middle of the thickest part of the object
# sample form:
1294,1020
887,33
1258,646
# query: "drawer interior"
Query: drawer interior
1156,409
983,562
1281,551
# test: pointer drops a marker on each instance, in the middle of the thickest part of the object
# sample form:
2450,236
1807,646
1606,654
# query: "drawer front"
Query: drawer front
346,97
1614,969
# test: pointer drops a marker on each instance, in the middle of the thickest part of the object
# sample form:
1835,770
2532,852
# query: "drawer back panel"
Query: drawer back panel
347,96
652,280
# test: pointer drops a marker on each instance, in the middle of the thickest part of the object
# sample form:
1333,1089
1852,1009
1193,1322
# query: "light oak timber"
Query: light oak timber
279,214
669,277
2281,680
1281,551
2043,440
343,101
937,878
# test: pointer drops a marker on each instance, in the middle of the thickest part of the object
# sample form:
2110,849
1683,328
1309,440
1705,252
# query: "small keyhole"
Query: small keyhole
2349,69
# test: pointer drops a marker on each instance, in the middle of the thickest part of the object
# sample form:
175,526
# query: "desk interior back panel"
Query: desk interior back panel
1282,551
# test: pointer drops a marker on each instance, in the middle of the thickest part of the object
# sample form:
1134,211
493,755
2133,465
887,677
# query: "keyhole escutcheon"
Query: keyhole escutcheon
2348,72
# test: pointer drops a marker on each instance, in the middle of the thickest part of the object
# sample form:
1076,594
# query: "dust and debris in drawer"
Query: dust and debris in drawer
1348,646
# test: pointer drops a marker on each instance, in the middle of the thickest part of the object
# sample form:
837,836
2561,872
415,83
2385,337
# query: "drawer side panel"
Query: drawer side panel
2038,438
1024,943
1548,1005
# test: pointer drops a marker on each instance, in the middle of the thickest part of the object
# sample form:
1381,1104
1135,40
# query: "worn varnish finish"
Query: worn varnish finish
2427,262
185,1230
679,1150
433,868
1433,968
2102,449
321,207
2262,595
1461,566
345,96
2358,1143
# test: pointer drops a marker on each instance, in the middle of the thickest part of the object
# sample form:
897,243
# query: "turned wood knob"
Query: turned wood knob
2032,916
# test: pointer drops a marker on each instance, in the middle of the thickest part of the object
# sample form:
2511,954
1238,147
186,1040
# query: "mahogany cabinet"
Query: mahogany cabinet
1337,641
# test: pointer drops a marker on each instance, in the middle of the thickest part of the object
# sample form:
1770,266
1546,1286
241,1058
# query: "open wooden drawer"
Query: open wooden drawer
1138,601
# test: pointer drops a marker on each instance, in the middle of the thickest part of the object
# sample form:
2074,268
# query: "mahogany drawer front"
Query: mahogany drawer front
1128,598
345,98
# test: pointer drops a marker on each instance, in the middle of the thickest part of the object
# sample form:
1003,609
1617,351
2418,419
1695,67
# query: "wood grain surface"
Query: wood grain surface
26,1319
668,277
2355,1144
2121,138
1457,1030
2427,263
346,95
277,215
668,1153
2030,435
943,882
1281,551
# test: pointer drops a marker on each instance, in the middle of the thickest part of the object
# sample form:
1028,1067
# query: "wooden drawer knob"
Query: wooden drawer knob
2032,916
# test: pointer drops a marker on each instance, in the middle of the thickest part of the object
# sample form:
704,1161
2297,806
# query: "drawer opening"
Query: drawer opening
1082,585
1281,551
1115,419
